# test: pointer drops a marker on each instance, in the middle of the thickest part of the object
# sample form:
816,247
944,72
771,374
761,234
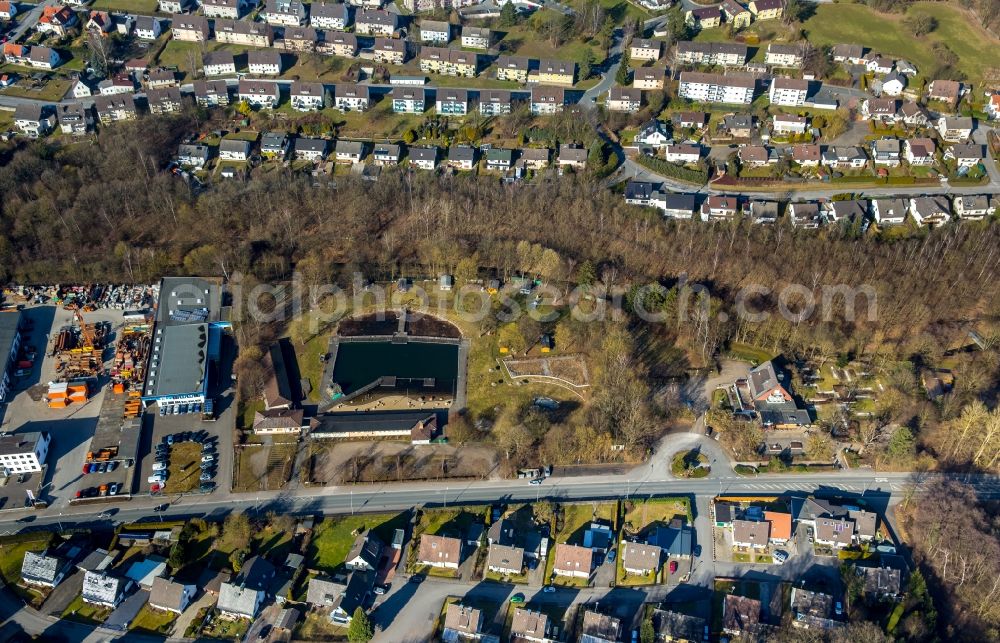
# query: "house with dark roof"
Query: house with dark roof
772,401
365,552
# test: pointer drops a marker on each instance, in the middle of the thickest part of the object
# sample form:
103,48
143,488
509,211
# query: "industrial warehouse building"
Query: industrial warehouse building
10,342
186,345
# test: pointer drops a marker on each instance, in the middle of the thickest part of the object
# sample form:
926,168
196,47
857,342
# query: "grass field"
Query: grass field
12,554
153,621
658,512
886,34
184,470
135,6
749,353
53,90
332,538
82,612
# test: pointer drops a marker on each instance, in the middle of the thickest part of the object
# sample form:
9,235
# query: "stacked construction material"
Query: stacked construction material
62,394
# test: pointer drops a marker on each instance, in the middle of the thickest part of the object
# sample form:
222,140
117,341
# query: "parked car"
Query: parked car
379,590
113,489
208,457
838,608
611,556
162,507
86,468
157,477
548,589
169,439
94,467
536,481
207,487
103,467
673,566
205,477
112,466
780,556
159,466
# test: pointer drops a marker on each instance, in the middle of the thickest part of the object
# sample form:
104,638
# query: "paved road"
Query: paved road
27,21
608,76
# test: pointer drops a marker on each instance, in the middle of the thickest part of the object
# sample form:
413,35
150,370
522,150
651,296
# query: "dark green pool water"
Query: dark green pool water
360,363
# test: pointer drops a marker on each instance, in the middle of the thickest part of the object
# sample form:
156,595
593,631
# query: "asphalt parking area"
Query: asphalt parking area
183,457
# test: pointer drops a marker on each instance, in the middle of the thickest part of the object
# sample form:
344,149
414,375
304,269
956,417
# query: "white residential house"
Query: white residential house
893,84
453,102
652,133
408,100
624,99
176,6
780,55
919,151
719,208
74,118
683,153
306,96
190,28
259,93
376,23
170,596
788,92
310,149
334,16
965,155
423,158
886,151
264,62
147,28
43,57
42,570
219,63
435,32
789,124
716,88
476,37
232,9
234,150
955,128
973,207
888,212
103,589
351,98
930,210
285,13
34,120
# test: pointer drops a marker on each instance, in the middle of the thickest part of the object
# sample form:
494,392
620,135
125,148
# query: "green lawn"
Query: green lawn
154,621
135,6
184,470
447,521
753,354
12,552
655,512
885,33
332,538
85,612
54,90
529,44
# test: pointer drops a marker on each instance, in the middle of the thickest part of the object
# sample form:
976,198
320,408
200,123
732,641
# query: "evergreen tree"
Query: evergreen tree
360,630
508,15
622,78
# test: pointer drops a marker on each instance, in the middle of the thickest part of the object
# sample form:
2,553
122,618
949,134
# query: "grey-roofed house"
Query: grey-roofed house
750,533
259,93
387,154
34,119
231,149
424,157
211,93
494,102
505,559
675,626
638,558
674,206
310,149
881,583
350,151
74,118
597,627
239,602
43,570
329,15
462,157
219,63
170,596
675,539
323,592
102,589
571,155
359,586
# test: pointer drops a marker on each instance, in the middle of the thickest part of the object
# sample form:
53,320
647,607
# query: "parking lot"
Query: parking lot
184,456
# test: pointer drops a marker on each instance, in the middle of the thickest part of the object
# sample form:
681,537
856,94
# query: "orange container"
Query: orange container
58,404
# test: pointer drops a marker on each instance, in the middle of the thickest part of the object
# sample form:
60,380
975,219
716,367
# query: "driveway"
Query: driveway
63,594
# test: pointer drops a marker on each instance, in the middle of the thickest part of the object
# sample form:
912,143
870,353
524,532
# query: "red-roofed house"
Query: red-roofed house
781,525
56,20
